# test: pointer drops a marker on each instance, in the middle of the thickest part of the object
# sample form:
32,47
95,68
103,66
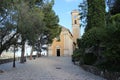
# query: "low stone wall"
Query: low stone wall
2,61
105,74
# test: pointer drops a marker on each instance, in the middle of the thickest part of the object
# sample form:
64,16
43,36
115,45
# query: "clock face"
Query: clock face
75,17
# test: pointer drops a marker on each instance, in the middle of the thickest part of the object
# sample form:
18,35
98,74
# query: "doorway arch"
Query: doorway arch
58,51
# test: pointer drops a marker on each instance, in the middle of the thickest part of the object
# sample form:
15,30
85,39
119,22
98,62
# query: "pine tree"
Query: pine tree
96,14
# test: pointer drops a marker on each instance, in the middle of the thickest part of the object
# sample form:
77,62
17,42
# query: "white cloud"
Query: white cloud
71,0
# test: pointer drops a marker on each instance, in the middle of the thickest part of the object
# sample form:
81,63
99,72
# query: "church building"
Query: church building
66,43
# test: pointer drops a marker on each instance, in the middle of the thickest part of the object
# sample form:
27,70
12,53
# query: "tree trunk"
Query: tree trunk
14,58
22,59
31,53
1,52
47,51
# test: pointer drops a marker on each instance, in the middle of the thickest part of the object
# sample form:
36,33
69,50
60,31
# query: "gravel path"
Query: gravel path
46,68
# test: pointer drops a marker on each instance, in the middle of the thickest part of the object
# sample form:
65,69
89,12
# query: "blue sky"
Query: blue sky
63,9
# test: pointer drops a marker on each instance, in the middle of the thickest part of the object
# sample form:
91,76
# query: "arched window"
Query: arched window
75,22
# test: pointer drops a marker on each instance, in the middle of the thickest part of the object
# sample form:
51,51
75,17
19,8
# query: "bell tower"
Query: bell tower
75,25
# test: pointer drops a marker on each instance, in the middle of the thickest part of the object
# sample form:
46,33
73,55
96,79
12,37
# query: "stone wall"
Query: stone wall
105,74
2,61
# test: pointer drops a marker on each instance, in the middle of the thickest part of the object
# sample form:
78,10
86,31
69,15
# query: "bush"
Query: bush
108,65
89,58
93,36
76,55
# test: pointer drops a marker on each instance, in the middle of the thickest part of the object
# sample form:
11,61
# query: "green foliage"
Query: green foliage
5,5
76,55
79,43
35,25
89,58
54,33
96,14
112,42
100,35
7,28
51,21
110,38
26,18
93,36
30,23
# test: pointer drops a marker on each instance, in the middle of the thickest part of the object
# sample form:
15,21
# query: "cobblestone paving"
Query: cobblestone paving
46,68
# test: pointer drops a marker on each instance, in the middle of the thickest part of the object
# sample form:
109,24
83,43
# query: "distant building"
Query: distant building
66,43
6,55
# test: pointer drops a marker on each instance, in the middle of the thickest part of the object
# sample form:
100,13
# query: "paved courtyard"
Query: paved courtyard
46,68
